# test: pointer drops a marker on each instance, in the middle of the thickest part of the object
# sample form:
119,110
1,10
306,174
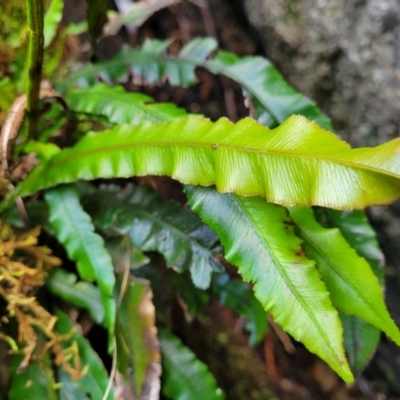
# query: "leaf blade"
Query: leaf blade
119,106
138,349
185,377
152,225
81,294
285,282
76,232
95,381
297,163
347,286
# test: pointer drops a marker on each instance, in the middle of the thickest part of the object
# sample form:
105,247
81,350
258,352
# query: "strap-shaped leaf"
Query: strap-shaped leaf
360,338
178,234
119,106
184,376
75,231
138,349
95,381
81,294
258,238
355,228
273,98
297,163
353,287
238,296
360,341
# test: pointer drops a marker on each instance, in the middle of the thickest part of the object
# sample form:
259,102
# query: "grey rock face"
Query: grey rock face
343,54
346,56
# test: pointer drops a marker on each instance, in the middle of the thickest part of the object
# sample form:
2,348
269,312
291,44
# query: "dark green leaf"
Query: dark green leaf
137,343
178,234
360,341
185,377
71,389
273,98
76,232
97,17
258,238
124,255
237,295
81,294
36,382
95,381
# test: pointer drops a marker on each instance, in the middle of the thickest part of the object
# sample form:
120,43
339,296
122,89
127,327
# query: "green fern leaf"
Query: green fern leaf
258,238
297,163
119,106
91,385
360,338
178,234
184,376
81,294
360,341
138,349
75,231
273,98
353,287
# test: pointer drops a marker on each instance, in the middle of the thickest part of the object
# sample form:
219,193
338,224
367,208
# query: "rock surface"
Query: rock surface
343,54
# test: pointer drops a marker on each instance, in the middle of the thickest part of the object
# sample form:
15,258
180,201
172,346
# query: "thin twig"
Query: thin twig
35,61
112,372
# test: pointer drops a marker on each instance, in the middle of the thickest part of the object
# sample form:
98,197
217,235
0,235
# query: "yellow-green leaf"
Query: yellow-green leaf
353,287
258,238
297,163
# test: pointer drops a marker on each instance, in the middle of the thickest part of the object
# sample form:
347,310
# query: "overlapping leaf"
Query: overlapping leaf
81,294
138,352
119,106
258,238
176,233
360,338
93,384
360,341
273,98
353,287
76,232
184,376
36,382
297,163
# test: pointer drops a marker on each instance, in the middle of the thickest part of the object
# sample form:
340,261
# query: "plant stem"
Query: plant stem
35,61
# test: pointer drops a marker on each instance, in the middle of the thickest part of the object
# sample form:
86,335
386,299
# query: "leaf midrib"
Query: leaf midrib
287,281
210,145
332,265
